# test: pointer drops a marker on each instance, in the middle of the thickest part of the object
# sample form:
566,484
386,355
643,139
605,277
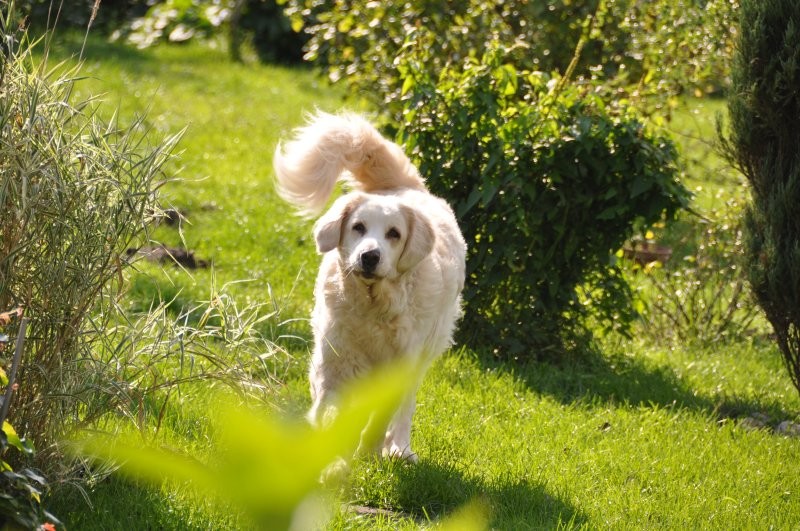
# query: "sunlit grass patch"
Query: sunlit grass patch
636,435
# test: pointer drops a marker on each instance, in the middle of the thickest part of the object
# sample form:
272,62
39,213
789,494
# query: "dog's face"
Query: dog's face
377,236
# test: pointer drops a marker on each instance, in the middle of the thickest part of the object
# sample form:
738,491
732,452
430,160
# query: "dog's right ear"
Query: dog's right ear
328,228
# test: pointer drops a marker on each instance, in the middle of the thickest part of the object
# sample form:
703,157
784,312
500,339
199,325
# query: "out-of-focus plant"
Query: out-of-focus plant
269,468
105,16
176,21
261,24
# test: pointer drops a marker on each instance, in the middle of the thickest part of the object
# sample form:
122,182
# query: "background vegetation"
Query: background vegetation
594,171
686,423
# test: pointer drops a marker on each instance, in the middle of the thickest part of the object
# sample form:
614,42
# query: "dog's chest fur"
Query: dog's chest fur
365,324
377,321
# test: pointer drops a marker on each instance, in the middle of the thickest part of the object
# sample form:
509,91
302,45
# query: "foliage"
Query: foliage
105,15
175,21
655,48
74,193
764,142
262,23
273,37
700,296
20,492
547,183
269,468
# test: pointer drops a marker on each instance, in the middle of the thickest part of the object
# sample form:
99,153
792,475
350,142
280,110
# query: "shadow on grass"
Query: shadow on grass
117,503
620,379
430,492
68,44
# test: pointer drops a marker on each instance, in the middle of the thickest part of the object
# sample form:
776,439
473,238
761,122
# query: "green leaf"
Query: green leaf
266,466
408,84
14,440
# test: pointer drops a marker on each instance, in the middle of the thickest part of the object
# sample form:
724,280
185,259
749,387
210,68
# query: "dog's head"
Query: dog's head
377,236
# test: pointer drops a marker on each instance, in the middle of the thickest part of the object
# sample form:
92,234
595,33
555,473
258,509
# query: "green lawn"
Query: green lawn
637,436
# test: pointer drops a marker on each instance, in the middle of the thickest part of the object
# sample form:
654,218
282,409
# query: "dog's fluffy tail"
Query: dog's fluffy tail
333,147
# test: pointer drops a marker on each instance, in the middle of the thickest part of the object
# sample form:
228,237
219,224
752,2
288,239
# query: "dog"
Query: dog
393,265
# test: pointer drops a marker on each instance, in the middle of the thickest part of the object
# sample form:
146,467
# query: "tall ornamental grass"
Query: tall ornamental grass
75,192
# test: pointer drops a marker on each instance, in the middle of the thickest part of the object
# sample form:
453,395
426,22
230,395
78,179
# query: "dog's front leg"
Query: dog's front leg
397,442
324,401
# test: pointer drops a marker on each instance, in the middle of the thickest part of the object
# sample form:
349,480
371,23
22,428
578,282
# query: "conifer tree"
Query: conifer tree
764,143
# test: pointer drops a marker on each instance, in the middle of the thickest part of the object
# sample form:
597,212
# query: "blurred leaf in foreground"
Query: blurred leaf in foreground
267,467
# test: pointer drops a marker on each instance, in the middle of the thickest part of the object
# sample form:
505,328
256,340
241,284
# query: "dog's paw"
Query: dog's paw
335,473
396,452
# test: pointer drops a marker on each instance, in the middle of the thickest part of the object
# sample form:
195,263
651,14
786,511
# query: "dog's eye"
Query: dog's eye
393,234
360,228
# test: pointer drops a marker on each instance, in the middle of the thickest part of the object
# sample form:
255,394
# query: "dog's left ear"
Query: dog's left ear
419,242
328,228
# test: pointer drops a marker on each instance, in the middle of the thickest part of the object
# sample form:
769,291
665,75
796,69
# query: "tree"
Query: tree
764,143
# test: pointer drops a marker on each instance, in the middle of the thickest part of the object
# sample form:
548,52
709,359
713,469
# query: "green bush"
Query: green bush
547,181
261,23
764,143
174,21
105,15
268,29
655,48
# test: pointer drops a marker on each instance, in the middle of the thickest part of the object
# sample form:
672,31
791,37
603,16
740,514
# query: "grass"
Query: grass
231,217
624,443
636,436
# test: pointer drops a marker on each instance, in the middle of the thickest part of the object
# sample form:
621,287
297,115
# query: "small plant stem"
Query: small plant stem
23,325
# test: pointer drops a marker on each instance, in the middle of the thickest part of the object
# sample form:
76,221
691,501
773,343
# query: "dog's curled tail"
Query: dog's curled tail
329,148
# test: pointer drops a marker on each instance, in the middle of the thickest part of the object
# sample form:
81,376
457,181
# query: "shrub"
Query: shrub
764,142
657,47
269,30
262,23
174,21
547,181
105,15
74,193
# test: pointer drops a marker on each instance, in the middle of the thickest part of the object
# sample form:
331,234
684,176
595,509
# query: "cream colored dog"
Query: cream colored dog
393,267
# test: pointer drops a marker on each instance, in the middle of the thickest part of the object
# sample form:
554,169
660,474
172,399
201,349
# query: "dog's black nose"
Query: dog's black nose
369,260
